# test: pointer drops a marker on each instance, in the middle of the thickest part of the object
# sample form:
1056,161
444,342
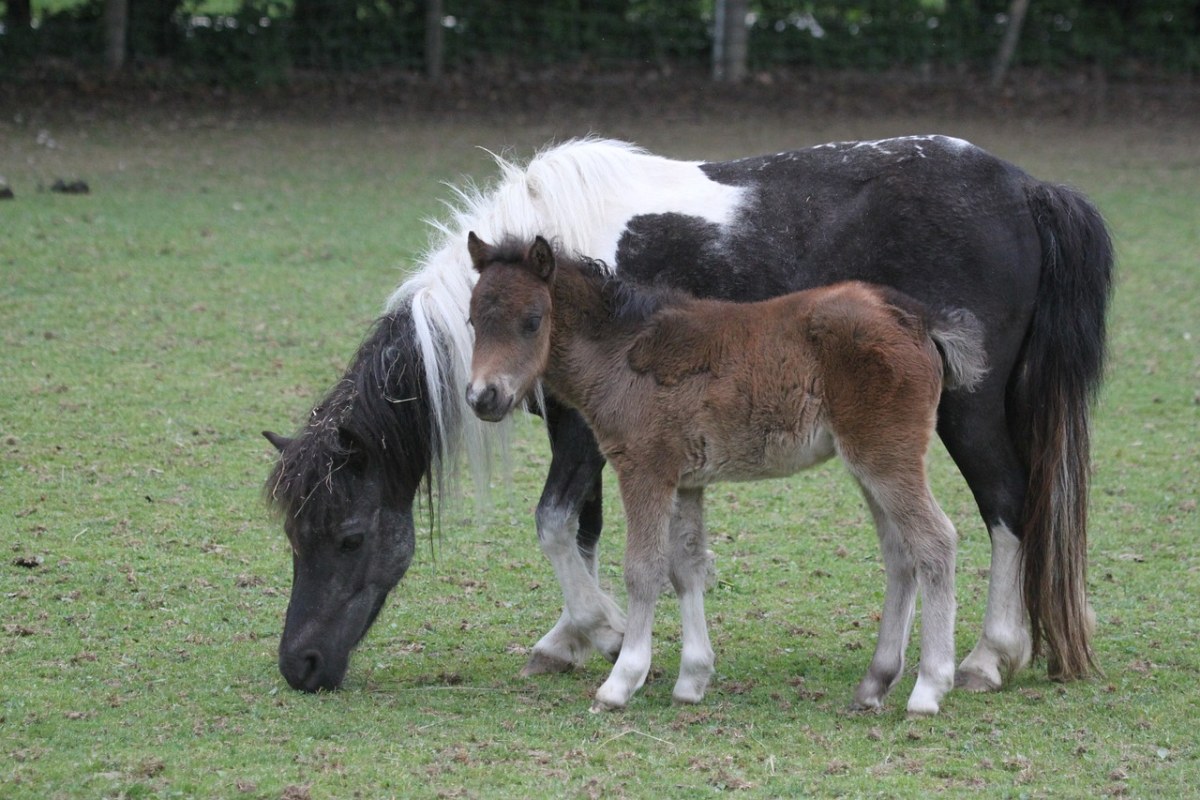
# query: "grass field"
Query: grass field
217,279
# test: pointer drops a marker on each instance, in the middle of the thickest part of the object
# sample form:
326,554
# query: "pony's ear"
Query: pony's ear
280,442
481,251
541,258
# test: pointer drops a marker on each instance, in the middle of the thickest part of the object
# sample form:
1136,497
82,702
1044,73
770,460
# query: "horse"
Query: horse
935,217
682,393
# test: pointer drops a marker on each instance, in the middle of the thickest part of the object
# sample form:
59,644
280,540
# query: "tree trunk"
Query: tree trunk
730,40
1008,47
18,14
116,30
435,51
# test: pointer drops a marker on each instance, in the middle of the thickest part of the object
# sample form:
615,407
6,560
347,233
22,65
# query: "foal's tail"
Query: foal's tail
1049,401
959,339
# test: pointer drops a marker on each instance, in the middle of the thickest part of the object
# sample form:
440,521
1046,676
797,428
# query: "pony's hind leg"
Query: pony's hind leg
688,570
1005,645
977,436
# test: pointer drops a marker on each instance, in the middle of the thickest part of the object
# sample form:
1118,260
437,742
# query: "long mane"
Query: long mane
580,195
374,414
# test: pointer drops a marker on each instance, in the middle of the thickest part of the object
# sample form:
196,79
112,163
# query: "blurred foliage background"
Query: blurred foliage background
271,41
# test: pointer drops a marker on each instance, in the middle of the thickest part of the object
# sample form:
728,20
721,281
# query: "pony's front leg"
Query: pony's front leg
569,521
591,620
689,570
648,510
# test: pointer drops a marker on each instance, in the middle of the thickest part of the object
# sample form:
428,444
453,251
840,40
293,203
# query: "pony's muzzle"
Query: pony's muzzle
306,671
488,401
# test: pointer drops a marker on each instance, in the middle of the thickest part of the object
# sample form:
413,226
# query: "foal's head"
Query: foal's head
510,311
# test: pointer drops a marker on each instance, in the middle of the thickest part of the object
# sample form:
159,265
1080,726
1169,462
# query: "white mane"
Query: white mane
579,194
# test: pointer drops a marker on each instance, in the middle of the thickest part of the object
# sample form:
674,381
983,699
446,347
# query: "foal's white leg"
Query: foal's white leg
648,512
935,545
1005,645
689,569
633,664
919,544
590,619
899,607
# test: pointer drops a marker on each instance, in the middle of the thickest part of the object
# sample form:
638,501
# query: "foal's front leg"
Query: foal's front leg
648,508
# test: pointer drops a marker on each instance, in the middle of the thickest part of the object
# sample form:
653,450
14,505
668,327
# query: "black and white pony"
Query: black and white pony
935,217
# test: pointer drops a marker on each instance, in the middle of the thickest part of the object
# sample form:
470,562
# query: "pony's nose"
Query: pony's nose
485,400
305,671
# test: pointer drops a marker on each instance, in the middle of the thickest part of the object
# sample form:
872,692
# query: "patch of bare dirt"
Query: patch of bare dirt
635,94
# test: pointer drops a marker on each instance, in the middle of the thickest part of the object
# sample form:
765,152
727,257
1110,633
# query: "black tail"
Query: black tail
1050,399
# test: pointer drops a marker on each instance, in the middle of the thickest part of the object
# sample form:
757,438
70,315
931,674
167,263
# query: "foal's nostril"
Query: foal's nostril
482,400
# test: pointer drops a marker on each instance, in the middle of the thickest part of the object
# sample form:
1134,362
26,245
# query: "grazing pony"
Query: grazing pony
682,393
934,217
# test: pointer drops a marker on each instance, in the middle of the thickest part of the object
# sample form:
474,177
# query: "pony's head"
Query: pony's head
510,311
344,487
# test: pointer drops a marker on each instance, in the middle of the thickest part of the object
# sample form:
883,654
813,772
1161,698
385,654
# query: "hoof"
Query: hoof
687,697
609,643
922,709
970,681
542,664
600,707
857,707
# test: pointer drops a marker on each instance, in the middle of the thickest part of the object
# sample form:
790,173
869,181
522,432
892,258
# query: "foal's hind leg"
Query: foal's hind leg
688,569
914,534
934,542
899,607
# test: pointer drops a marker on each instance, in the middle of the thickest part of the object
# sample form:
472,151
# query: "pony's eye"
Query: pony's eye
531,324
351,543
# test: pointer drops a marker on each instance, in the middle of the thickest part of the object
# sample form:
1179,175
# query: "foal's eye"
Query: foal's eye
531,324
351,542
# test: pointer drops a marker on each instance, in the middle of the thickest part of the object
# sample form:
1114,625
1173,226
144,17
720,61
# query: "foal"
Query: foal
682,392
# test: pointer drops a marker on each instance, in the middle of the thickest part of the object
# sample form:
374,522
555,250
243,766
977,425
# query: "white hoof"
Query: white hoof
610,698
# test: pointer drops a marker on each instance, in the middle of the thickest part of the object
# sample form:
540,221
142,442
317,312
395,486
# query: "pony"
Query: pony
935,217
683,393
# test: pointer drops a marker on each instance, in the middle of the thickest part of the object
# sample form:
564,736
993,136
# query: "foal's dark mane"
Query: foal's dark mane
623,301
374,418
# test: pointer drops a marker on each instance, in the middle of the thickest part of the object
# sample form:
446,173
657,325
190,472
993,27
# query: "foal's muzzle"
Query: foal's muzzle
488,401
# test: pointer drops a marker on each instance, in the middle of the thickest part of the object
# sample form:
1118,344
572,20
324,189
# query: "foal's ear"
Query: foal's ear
280,442
541,258
481,251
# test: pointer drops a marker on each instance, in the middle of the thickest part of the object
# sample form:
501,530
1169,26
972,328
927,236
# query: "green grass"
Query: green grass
217,280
